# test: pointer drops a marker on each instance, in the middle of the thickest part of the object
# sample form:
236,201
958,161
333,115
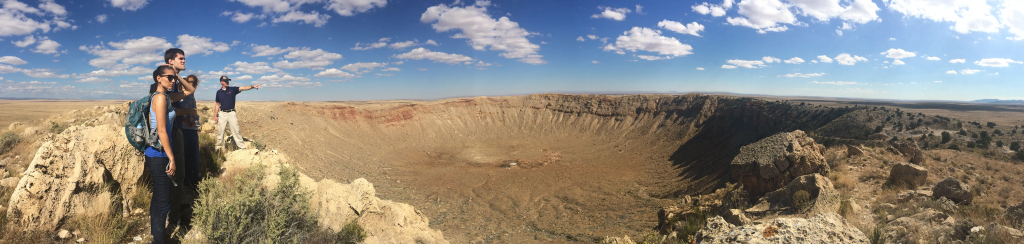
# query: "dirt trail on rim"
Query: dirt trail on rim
535,168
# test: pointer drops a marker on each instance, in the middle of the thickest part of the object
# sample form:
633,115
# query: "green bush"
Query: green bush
243,211
7,142
971,144
954,147
352,233
801,200
1014,146
946,137
57,128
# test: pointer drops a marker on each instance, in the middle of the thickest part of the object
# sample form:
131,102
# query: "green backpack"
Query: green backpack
137,128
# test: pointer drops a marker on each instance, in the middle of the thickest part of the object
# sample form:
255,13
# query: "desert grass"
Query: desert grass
106,226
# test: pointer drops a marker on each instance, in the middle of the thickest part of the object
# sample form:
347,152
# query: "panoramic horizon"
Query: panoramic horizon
336,50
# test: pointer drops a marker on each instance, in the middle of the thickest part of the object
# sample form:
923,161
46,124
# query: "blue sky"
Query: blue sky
307,50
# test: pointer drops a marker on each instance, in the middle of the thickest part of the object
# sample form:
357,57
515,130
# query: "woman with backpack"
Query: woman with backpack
161,161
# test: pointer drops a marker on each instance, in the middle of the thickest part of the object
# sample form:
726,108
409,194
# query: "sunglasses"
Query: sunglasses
171,77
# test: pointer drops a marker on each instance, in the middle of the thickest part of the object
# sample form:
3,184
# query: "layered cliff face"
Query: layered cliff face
536,167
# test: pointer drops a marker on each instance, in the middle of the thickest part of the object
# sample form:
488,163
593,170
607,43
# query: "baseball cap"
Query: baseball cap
224,78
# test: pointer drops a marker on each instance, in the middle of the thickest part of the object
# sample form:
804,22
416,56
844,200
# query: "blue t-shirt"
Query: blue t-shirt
226,97
150,151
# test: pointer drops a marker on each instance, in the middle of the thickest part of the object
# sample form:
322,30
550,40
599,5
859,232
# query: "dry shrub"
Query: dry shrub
8,141
801,200
108,227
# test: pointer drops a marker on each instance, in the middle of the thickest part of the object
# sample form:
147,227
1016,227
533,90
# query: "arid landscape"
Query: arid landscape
557,168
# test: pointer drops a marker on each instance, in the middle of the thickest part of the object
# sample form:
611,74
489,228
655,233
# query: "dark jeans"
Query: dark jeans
190,166
160,204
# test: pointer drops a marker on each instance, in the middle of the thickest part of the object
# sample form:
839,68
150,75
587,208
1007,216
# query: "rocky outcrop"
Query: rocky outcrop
911,150
853,151
907,174
823,197
770,163
929,226
954,190
827,228
337,203
80,170
736,217
1015,214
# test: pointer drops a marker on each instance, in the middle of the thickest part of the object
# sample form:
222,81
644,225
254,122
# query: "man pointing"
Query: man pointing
226,111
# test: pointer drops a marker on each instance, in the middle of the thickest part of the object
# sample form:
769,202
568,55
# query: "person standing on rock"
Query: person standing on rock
161,161
225,104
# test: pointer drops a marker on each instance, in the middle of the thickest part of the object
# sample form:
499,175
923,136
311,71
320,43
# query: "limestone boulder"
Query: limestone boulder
907,174
823,197
736,217
772,162
954,190
927,226
853,151
909,149
80,170
823,228
1015,214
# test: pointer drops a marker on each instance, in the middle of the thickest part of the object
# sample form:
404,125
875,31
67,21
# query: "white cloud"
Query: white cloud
53,8
352,7
136,70
996,62
365,67
938,81
14,21
726,66
770,59
267,50
334,73
482,31
254,68
95,80
46,46
244,77
690,29
479,64
400,45
858,11
714,10
101,18
12,60
639,9
368,46
393,69
794,60
297,64
838,83
316,55
431,42
967,15
314,18
652,58
423,53
595,62
969,71
799,75
763,15
892,38
847,59
839,32
128,5
650,40
612,13
379,74
29,40
580,38
824,59
898,62
700,68
239,17
277,79
933,58
895,53
128,52
1012,17
959,60
750,64
193,45
951,72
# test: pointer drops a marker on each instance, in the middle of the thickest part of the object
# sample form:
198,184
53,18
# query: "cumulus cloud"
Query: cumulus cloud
17,18
314,18
193,45
763,15
353,7
612,13
750,64
700,68
726,66
336,73
101,18
423,53
847,59
128,52
306,54
951,72
136,70
94,80
858,11
240,17
482,31
254,68
777,15
297,64
361,67
267,50
824,59
128,5
794,60
799,75
28,40
650,40
12,60
895,53
713,9
46,46
959,60
401,45
898,62
1012,17
969,71
966,15
770,59
996,62
933,58
689,29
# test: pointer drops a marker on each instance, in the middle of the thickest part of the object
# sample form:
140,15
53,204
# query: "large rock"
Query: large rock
928,226
823,197
954,190
770,163
853,151
1015,214
79,171
828,228
337,204
911,150
908,174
